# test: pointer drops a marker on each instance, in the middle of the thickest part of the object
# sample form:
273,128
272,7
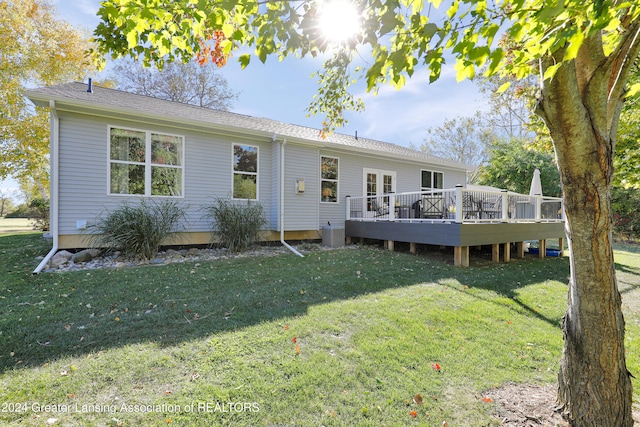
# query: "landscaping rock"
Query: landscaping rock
60,258
85,255
117,261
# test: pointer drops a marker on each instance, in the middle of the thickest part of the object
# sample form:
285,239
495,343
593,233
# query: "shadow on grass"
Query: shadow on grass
51,316
508,279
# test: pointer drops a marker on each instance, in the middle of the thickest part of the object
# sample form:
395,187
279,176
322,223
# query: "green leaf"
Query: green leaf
635,88
551,71
244,60
429,30
575,41
464,70
503,87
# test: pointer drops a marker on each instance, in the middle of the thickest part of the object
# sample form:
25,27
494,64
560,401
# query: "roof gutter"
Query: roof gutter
281,216
53,189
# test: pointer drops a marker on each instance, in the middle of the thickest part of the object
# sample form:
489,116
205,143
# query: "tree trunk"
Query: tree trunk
594,386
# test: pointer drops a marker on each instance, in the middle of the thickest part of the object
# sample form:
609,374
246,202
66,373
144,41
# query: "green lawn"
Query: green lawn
344,337
15,225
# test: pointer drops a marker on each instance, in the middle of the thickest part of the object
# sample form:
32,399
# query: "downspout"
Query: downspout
53,211
285,244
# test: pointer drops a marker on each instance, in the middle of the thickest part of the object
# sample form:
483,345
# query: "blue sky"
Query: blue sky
282,91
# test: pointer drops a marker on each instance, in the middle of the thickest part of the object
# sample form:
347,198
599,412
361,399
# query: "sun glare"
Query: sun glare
339,20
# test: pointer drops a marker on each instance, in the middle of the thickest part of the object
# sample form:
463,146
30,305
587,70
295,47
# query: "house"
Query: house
110,147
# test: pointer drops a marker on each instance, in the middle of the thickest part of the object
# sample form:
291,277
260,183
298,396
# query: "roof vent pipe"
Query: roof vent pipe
356,135
90,86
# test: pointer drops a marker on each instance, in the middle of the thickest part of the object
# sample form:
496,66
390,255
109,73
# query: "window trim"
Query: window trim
256,173
147,163
337,181
432,172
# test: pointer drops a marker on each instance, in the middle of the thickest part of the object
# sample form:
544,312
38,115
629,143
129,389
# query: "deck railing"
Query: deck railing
455,205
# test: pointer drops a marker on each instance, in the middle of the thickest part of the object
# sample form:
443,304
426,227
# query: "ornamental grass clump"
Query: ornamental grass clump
138,230
236,225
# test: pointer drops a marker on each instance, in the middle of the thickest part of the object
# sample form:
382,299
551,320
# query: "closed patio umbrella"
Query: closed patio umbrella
536,184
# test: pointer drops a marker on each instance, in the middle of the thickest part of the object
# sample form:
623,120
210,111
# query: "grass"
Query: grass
14,225
344,337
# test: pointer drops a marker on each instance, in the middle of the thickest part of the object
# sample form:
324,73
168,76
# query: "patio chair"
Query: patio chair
470,207
377,209
417,208
433,207
492,207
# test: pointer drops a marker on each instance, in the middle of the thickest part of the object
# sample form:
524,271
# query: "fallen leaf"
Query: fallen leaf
294,340
167,392
67,327
445,424
417,399
413,414
117,319
64,373
71,395
436,367
297,349
487,399
286,327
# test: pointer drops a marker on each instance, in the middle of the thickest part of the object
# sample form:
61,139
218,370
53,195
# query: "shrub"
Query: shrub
626,218
138,230
40,214
236,225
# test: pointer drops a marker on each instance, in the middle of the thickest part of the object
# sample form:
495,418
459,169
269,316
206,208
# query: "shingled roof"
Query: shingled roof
107,102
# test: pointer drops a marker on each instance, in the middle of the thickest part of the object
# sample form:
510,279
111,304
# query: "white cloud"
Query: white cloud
402,116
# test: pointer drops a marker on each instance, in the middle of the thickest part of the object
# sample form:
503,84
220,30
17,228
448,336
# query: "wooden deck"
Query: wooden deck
459,235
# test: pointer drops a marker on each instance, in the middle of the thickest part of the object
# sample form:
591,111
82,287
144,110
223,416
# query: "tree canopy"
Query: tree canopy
400,35
189,83
463,139
511,165
36,48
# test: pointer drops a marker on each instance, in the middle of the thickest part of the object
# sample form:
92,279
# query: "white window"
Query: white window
145,163
329,171
245,172
430,180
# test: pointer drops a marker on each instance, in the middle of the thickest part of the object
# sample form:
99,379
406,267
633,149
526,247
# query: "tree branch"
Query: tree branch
622,58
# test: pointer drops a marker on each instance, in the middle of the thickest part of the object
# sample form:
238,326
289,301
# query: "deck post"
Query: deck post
507,252
459,205
389,244
561,245
348,207
505,206
392,206
542,248
538,207
520,249
413,248
495,252
461,256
